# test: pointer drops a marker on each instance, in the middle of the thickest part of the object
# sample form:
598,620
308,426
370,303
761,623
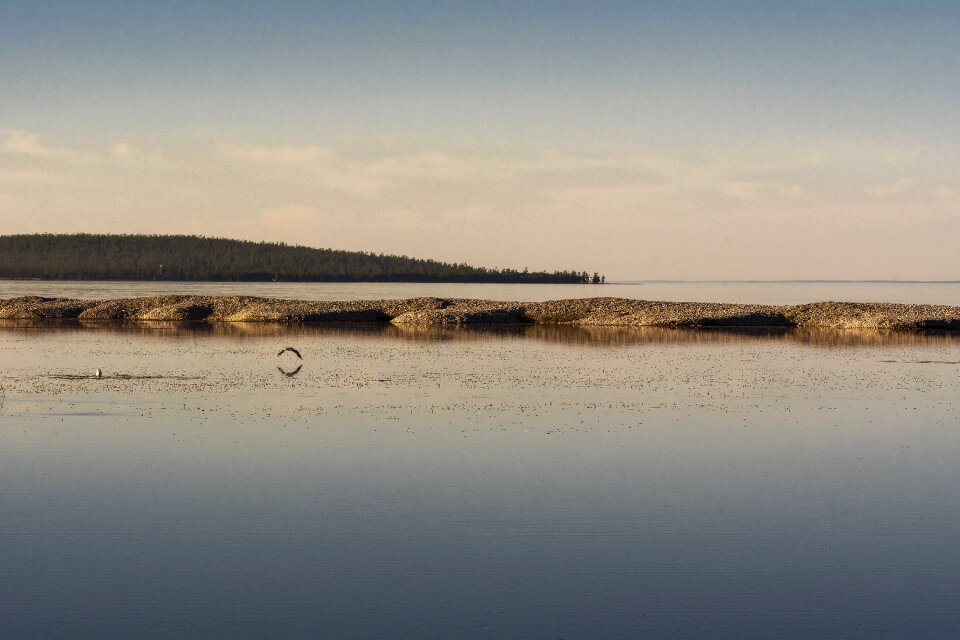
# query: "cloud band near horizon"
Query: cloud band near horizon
827,211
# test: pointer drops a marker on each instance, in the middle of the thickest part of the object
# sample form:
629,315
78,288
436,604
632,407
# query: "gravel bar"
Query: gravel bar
616,312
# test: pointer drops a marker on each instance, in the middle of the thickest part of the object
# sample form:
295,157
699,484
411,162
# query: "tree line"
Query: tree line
180,257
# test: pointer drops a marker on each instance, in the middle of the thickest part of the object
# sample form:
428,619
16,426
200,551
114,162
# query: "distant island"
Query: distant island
196,258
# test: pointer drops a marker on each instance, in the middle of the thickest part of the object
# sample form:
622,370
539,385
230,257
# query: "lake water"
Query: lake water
530,483
741,292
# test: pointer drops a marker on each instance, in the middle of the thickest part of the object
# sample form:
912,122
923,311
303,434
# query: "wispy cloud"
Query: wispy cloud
24,143
639,214
898,187
320,165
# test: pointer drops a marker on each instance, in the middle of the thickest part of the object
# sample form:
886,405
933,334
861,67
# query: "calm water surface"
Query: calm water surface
539,483
739,292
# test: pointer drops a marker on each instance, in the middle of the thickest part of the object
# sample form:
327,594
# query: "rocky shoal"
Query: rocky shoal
438,312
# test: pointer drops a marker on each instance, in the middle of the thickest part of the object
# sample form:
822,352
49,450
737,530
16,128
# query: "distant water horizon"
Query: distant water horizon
787,281
772,292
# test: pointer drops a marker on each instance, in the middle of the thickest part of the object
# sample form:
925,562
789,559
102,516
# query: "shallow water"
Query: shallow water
536,482
947,293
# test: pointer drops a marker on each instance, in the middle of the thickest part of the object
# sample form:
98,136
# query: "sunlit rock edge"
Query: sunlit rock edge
454,311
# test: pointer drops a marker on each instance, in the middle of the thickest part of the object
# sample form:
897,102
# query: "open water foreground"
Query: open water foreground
533,482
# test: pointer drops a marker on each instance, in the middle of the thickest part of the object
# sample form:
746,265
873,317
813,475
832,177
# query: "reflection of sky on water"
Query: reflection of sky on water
478,484
578,335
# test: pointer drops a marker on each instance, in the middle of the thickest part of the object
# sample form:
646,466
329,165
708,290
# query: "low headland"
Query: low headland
83,256
614,312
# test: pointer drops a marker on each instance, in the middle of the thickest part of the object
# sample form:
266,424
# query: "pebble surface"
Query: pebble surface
618,312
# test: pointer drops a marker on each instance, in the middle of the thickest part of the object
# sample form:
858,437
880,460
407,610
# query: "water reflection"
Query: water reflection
575,335
291,373
117,376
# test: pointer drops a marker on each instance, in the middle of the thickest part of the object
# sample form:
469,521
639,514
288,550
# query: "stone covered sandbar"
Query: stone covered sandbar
617,312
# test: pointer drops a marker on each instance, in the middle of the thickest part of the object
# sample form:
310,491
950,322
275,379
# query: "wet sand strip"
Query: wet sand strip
616,312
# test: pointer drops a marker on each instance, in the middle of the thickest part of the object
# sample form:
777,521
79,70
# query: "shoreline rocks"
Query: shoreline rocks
432,312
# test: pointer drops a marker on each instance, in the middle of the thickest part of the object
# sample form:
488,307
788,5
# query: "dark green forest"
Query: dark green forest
162,257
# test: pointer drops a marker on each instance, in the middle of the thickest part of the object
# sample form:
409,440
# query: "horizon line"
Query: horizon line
788,281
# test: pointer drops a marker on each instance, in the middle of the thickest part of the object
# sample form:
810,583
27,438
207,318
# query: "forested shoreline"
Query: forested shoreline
197,258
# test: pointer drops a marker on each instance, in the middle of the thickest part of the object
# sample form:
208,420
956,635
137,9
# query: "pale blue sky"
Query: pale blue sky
635,138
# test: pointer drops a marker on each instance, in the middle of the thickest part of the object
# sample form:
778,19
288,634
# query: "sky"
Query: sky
643,140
